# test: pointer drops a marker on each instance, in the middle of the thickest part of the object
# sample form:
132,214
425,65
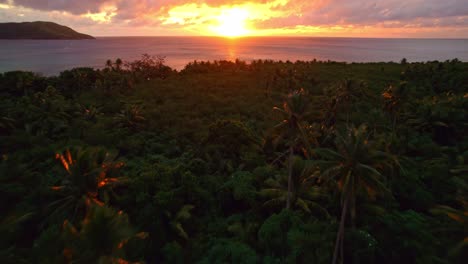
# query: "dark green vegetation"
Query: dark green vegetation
357,163
39,30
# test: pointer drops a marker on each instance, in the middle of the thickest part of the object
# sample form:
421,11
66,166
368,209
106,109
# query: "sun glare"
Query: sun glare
232,23
4,6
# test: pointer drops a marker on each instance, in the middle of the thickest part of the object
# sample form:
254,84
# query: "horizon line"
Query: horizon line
277,36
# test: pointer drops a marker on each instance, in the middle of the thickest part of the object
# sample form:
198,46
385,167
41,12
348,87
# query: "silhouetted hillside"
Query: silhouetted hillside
39,30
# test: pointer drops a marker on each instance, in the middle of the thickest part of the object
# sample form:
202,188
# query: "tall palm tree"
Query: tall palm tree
292,129
118,64
304,196
353,167
393,97
89,172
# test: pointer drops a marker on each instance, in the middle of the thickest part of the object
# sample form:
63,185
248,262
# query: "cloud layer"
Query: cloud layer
439,17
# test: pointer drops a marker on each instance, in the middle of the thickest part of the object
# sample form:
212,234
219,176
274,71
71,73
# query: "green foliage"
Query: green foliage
75,81
48,247
407,238
226,251
241,186
272,235
312,242
18,83
181,216
130,118
305,194
173,253
227,141
209,167
148,67
294,110
43,113
101,236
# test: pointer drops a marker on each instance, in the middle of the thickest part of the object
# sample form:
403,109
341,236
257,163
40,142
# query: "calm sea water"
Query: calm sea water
52,56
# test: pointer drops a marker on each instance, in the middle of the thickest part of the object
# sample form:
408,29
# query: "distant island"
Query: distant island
39,30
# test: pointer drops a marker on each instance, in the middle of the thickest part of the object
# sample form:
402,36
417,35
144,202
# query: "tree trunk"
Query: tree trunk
290,182
353,203
394,122
340,234
347,118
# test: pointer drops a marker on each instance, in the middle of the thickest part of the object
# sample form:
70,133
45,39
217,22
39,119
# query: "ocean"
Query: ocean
50,57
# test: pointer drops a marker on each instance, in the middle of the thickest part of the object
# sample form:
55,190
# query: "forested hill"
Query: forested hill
39,30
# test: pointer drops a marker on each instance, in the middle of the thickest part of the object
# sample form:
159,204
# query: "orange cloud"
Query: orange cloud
254,17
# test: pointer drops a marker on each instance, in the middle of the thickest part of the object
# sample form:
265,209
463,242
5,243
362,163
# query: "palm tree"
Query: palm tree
304,196
101,237
109,64
130,117
118,64
45,113
178,219
353,167
88,113
394,96
439,115
459,214
6,124
89,172
292,130
348,92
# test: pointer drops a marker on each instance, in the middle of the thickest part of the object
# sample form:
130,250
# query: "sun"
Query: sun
232,23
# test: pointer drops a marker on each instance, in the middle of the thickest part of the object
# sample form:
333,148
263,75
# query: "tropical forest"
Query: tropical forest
235,162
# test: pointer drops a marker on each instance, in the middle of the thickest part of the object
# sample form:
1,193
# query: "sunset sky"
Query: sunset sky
334,18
